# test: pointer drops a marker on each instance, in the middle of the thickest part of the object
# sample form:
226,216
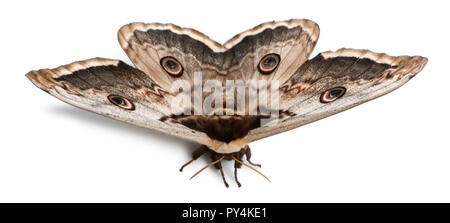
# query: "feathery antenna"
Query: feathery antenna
221,158
237,160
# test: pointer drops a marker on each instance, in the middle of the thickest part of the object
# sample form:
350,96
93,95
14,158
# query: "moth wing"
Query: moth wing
148,44
292,41
116,90
364,75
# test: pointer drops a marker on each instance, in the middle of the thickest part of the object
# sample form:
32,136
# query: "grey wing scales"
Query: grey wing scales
363,74
147,44
89,85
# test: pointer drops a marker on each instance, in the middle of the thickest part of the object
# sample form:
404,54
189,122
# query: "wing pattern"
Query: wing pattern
310,90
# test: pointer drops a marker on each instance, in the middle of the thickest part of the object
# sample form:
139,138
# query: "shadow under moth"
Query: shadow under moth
225,96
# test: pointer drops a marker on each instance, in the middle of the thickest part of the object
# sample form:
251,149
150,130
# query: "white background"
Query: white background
393,149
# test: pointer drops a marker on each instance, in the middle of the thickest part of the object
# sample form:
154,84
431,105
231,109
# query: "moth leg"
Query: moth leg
223,175
195,155
218,165
248,155
236,166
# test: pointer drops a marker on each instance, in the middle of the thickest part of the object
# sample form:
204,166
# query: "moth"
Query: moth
225,96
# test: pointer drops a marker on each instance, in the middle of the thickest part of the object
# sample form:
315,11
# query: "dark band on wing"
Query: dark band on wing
337,67
98,77
226,59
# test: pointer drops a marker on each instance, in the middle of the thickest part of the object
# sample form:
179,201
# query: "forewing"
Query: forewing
363,74
116,90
